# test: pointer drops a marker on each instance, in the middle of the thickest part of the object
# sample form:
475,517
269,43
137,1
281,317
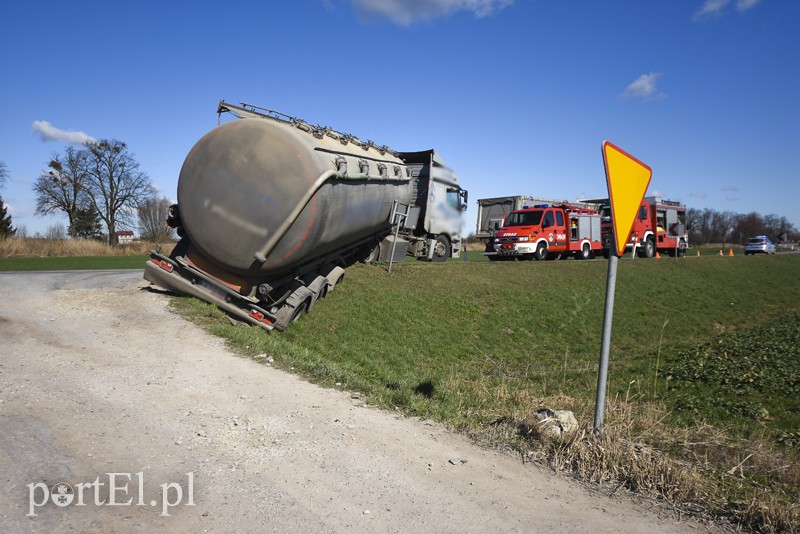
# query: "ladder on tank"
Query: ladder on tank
403,215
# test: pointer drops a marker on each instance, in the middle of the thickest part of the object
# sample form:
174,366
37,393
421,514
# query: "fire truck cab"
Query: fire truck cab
548,232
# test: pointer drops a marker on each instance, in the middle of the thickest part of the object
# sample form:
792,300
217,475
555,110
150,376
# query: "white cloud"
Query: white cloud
644,87
716,7
710,7
744,5
48,132
698,194
406,12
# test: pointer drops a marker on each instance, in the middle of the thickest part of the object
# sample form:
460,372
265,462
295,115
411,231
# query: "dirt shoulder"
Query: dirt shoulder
97,376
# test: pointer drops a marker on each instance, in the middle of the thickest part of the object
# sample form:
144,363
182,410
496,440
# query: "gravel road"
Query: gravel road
153,425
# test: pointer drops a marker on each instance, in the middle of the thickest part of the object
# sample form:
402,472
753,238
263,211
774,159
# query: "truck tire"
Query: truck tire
371,254
585,252
298,304
441,250
648,250
541,251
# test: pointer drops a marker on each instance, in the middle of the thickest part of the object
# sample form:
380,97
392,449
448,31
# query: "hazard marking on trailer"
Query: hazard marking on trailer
627,179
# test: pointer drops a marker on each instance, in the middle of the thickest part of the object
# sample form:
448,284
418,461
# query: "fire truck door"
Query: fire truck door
554,227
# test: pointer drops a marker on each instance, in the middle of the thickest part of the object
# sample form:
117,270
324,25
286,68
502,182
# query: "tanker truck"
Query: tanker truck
272,209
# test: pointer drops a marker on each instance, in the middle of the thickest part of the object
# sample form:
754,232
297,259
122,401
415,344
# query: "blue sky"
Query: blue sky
517,95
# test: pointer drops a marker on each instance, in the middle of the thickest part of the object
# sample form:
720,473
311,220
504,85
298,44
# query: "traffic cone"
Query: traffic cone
657,254
730,252
698,253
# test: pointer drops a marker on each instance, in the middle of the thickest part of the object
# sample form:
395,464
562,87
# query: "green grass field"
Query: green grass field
704,350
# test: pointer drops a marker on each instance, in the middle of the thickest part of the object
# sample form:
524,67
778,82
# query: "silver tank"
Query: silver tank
259,196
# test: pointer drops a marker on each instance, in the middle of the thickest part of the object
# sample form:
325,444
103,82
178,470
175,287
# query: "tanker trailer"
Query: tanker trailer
272,209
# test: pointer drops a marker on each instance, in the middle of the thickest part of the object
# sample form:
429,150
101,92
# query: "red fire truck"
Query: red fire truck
660,225
548,231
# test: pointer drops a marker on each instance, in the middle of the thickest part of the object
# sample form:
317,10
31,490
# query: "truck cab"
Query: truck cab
437,205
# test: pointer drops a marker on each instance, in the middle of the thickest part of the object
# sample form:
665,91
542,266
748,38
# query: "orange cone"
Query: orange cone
657,254
730,252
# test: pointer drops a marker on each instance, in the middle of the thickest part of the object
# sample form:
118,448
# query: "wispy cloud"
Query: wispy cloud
712,8
698,194
407,12
48,132
744,5
644,87
731,189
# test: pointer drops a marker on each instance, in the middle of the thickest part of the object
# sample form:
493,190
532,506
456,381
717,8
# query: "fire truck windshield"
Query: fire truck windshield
524,218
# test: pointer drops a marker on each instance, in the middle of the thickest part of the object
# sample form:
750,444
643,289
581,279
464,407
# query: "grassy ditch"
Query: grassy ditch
481,346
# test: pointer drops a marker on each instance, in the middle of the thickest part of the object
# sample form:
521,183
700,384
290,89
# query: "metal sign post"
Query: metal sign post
627,179
605,343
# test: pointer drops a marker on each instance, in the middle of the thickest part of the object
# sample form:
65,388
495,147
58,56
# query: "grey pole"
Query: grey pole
605,344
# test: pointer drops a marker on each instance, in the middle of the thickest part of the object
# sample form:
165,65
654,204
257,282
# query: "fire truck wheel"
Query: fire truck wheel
585,253
541,252
648,250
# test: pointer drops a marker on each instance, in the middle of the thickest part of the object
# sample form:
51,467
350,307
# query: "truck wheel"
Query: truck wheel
648,250
585,253
441,249
372,254
541,252
299,311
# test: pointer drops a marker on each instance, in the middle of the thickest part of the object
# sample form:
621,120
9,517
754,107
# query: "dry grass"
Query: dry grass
45,248
696,470
702,472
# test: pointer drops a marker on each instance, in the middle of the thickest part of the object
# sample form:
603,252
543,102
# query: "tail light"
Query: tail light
260,317
164,264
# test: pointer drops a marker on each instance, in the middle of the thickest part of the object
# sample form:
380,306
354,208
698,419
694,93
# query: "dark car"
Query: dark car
759,244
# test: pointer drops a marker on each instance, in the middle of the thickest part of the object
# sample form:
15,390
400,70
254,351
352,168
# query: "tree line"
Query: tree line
97,185
711,226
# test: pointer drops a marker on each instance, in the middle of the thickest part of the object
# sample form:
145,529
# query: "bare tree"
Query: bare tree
62,187
3,174
152,216
749,225
115,185
6,230
55,232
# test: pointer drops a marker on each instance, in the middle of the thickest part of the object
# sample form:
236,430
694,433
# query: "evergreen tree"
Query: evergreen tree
6,230
87,224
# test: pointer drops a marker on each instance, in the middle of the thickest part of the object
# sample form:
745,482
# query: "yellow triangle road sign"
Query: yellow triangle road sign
627,179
